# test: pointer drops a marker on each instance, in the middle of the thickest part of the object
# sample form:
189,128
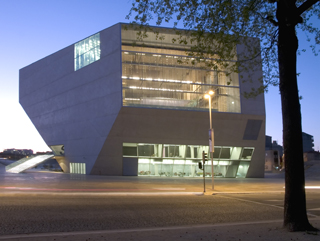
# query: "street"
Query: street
55,206
46,213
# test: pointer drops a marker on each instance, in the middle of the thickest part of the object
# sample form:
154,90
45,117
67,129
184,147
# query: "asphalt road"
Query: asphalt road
55,203
37,213
277,199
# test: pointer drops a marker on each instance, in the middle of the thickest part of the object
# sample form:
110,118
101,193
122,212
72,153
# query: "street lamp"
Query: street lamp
211,135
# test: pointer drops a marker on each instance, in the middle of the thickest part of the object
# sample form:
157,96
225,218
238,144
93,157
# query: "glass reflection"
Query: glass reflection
87,51
167,160
165,77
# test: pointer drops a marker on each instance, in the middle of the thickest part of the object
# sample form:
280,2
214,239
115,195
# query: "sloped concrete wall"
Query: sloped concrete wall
144,125
75,108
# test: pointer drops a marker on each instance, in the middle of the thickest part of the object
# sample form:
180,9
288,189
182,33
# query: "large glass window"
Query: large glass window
247,153
163,76
169,160
243,169
87,51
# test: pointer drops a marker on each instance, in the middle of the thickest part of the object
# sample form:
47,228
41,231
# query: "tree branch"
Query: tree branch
306,5
271,19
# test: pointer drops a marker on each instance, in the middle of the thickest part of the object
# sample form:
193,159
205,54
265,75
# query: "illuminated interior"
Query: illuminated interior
79,168
182,160
87,51
158,74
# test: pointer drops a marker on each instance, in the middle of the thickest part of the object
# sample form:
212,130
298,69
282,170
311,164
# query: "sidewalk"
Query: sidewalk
62,183
268,230
35,181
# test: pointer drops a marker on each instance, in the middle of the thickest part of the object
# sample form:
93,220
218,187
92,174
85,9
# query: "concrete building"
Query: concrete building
268,143
311,156
273,155
25,152
114,105
307,142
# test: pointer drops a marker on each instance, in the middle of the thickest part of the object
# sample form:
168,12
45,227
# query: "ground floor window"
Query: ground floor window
79,168
169,160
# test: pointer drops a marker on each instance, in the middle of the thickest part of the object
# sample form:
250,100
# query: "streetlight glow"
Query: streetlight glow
207,96
211,135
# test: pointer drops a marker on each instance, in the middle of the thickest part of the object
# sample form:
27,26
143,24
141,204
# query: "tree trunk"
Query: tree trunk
295,213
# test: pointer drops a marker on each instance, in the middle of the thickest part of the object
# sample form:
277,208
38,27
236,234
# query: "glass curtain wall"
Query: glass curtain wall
157,74
169,160
87,51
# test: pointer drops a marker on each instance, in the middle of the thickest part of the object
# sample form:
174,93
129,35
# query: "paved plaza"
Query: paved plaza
42,181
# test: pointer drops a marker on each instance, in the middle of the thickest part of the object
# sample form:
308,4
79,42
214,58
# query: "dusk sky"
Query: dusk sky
34,29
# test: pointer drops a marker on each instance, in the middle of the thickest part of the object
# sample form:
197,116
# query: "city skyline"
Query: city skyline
35,29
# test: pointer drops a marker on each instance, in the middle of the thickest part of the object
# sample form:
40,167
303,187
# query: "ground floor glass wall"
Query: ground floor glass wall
79,168
182,160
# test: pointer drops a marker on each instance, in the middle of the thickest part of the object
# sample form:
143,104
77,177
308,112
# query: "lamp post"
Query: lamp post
211,136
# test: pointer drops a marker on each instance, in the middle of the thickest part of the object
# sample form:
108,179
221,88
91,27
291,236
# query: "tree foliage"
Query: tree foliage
217,26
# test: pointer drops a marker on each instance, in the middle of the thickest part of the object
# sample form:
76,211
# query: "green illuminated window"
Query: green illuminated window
87,51
169,160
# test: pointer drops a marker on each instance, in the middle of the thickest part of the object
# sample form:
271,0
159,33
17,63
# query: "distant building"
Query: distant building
277,147
16,154
26,152
311,156
268,142
273,155
307,142
44,152
274,152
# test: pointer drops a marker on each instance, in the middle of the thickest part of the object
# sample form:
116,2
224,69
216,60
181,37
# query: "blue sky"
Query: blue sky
33,29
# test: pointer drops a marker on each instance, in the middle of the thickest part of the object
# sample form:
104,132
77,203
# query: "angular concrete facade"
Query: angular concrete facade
83,111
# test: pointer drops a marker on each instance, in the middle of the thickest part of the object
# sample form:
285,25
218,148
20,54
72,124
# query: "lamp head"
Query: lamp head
207,96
